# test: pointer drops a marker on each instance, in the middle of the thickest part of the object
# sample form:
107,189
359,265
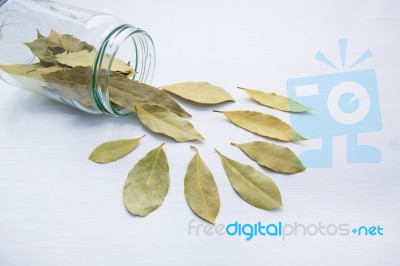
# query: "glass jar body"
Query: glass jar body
82,73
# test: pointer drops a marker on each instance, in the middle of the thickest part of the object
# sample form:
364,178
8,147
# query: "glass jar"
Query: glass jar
106,39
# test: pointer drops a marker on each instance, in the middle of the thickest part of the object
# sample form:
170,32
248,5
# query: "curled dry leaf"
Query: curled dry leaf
274,157
113,150
161,120
199,92
263,125
201,191
147,183
276,101
252,186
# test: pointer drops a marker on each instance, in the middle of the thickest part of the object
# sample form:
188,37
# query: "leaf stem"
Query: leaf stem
194,148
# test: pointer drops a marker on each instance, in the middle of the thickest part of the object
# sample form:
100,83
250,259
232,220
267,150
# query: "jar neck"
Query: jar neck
130,44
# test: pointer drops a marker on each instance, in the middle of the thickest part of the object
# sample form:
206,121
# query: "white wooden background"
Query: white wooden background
58,208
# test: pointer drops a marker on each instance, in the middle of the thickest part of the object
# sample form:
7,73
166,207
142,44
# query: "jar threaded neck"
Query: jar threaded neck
141,58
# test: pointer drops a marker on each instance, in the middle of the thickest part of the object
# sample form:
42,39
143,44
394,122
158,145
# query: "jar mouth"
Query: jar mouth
129,44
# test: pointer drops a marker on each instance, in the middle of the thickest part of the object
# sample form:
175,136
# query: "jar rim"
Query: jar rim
143,65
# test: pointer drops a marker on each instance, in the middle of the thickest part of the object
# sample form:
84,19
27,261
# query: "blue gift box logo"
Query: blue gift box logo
344,103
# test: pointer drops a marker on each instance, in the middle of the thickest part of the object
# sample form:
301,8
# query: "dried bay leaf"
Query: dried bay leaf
263,125
274,157
147,183
113,150
82,58
39,48
47,48
161,120
69,42
85,58
54,37
199,92
26,75
72,83
201,191
45,70
28,70
128,93
252,186
75,82
276,101
39,35
70,51
29,75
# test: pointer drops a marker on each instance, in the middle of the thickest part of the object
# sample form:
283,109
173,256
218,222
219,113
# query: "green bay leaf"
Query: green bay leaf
113,150
147,183
201,191
252,186
263,124
274,157
161,120
276,101
199,92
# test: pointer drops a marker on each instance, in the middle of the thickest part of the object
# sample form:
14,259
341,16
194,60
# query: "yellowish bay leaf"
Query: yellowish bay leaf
252,186
274,157
161,120
113,150
147,183
199,92
263,125
85,58
201,191
69,42
276,101
128,93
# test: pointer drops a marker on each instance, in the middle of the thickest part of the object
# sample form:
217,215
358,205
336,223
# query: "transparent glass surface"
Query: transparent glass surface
109,38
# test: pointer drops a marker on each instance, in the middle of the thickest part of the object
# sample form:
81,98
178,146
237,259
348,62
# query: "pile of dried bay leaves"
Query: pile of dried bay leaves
64,68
